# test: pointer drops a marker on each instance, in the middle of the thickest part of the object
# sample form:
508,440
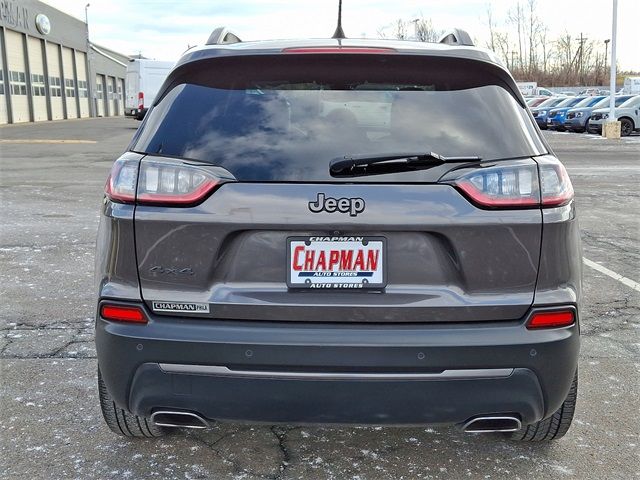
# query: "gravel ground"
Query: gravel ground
50,422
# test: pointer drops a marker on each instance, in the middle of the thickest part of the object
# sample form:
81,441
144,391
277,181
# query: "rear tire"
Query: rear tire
122,422
554,427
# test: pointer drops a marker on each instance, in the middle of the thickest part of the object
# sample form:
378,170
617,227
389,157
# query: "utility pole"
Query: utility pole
415,28
606,51
581,69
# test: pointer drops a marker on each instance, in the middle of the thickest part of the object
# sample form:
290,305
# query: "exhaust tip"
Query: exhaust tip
492,424
166,418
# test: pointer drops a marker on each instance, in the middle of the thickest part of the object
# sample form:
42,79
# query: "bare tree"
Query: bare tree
522,40
400,30
425,31
492,42
517,19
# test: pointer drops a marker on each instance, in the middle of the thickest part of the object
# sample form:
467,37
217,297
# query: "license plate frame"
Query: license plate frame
371,280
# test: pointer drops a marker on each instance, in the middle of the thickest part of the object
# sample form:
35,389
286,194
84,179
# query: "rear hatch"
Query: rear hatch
273,233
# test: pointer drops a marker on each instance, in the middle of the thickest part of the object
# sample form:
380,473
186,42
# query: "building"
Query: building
50,71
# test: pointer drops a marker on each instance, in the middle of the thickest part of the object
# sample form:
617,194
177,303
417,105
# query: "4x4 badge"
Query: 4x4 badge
352,206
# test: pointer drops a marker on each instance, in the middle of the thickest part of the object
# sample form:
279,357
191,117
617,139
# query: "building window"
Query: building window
109,92
83,91
119,92
1,82
18,82
69,87
54,86
37,85
99,91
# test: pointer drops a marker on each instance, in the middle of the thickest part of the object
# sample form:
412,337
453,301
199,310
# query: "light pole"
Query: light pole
611,129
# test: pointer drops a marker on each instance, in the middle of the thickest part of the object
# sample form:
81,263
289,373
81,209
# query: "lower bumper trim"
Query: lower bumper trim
227,372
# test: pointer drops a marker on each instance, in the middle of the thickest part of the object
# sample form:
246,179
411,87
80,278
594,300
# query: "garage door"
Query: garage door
55,81
120,83
69,82
111,96
83,90
17,76
38,90
100,97
3,94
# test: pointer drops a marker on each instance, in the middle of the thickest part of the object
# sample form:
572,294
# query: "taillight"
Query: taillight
140,100
161,182
522,183
555,185
172,182
121,313
555,319
514,185
121,184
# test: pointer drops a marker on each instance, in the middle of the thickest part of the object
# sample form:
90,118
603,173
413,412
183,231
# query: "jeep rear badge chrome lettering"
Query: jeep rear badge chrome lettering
352,206
180,307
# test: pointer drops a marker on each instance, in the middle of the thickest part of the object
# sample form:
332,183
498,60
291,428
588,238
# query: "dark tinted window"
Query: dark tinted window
261,127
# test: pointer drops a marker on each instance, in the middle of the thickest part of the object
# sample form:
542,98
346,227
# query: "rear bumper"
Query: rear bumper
361,374
135,113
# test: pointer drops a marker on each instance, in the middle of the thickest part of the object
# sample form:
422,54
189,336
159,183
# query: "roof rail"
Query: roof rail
222,36
457,36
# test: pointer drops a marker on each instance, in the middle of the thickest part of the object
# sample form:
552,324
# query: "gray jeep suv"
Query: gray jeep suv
339,231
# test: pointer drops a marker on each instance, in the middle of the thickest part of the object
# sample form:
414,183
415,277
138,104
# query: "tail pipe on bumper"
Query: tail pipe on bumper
178,419
488,424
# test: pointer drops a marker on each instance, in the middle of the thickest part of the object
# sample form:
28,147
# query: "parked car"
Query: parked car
535,101
299,258
589,92
588,102
531,89
577,118
628,114
541,111
144,78
568,93
555,118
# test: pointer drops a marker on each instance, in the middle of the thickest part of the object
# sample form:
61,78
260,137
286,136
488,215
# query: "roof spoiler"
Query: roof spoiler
222,35
458,37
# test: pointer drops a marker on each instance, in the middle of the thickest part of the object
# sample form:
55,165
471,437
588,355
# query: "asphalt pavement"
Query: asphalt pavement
51,185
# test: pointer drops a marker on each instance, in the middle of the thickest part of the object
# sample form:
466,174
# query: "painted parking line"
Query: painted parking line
31,140
627,281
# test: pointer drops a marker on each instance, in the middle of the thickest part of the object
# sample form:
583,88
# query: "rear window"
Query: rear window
285,118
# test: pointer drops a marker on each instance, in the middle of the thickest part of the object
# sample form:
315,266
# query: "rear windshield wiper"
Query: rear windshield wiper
354,165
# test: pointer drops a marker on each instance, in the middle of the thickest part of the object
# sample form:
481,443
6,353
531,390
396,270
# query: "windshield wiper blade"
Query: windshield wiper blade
349,163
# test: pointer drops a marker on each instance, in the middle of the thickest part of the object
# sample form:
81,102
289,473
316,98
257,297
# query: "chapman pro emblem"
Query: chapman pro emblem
352,206
180,307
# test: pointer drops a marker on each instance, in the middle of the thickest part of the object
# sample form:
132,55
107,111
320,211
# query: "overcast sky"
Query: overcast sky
163,29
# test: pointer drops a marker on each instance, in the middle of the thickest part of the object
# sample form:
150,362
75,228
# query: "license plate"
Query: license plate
336,262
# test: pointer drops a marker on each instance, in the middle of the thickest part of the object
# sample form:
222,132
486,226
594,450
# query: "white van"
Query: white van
144,79
631,86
